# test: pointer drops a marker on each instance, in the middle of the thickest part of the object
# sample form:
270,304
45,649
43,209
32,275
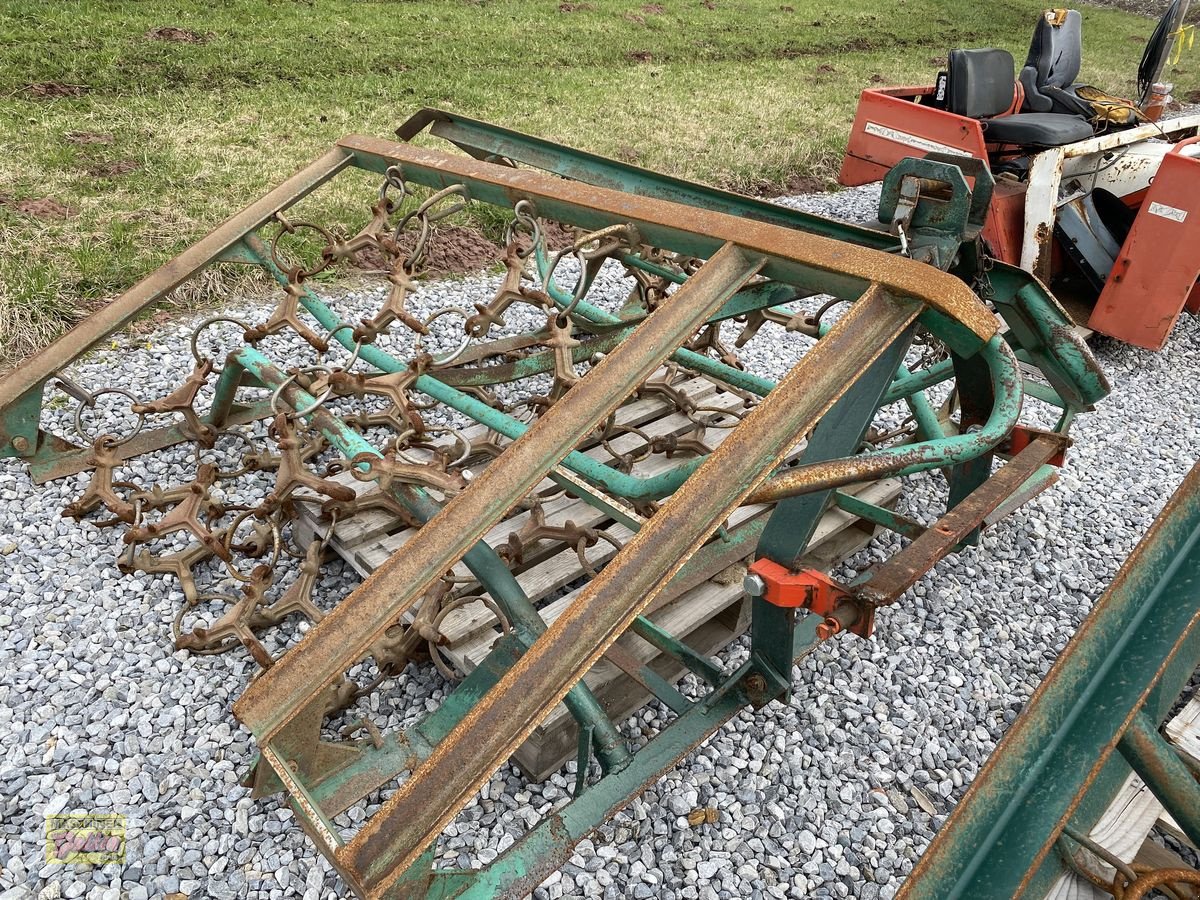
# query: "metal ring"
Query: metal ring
225,476
358,345
299,274
231,531
435,653
278,393
459,439
325,395
448,358
393,178
91,404
201,360
524,215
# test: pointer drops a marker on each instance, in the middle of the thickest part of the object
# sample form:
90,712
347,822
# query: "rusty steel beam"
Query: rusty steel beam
32,374
903,570
346,634
797,258
394,839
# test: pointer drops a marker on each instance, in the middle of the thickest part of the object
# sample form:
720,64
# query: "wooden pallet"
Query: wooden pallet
1125,827
707,616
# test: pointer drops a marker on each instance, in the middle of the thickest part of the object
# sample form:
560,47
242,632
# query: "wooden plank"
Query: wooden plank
470,654
1184,729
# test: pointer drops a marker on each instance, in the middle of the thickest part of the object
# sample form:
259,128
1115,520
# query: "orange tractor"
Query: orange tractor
1097,196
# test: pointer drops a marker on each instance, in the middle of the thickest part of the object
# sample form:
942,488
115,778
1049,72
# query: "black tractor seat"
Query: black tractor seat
981,86
1036,129
1055,55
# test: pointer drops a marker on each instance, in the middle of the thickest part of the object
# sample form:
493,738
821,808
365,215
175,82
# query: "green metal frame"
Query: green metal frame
1092,721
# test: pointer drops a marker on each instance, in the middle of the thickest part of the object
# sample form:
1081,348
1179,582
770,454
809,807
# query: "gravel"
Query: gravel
835,794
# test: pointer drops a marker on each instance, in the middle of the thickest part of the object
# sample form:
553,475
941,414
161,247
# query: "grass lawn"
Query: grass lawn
120,146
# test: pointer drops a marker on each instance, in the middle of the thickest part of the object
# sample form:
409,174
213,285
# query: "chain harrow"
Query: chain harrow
236,556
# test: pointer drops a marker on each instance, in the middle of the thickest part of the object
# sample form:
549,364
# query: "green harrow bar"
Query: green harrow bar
903,367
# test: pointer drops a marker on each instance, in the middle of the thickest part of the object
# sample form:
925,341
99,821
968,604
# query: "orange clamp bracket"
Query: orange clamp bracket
808,589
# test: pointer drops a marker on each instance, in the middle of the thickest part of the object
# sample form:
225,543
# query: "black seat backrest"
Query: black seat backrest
1055,55
980,82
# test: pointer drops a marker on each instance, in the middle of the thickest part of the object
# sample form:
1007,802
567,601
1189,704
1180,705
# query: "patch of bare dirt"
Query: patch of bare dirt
453,250
825,68
876,78
54,90
642,56
87,137
708,4
574,7
173,35
557,235
1149,8
654,9
39,207
113,168
794,184
635,18
1192,97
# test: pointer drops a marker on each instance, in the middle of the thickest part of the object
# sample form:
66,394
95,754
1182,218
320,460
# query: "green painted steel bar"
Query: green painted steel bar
481,559
918,382
910,459
1044,393
1039,326
648,631
879,515
1164,773
1133,653
374,766
938,453
929,427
